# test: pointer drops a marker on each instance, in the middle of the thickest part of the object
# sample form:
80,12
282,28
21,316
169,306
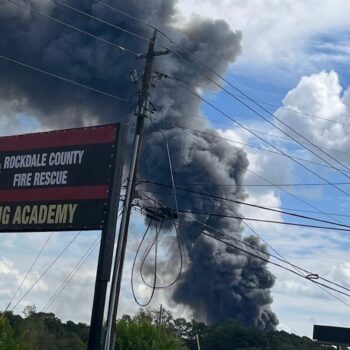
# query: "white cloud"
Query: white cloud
275,31
319,251
319,95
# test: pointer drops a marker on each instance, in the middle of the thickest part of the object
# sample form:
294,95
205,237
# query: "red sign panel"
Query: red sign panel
57,180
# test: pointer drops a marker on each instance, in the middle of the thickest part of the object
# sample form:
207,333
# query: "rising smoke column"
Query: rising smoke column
219,282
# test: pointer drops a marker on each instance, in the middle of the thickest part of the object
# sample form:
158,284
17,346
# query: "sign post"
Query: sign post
62,181
106,248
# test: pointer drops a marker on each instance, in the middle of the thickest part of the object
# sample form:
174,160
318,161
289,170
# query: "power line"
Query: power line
295,113
31,9
322,288
202,99
279,208
96,18
246,224
288,192
296,184
126,14
47,269
315,275
155,267
252,146
146,254
233,86
259,114
289,138
162,218
63,79
293,142
264,149
75,270
287,223
106,22
260,132
291,194
312,277
297,268
342,171
262,139
301,114
165,135
282,189
27,274
70,276
245,203
284,259
172,41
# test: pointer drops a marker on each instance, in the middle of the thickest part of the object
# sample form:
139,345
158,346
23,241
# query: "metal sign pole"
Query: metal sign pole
107,244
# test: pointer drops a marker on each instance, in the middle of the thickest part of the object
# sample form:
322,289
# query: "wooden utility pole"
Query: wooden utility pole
142,113
160,318
198,344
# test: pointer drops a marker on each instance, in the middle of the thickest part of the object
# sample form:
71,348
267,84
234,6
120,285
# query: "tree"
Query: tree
42,331
8,339
142,334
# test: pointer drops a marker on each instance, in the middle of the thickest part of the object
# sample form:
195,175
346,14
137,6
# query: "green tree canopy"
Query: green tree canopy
142,334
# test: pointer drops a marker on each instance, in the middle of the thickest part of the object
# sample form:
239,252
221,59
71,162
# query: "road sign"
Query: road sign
58,180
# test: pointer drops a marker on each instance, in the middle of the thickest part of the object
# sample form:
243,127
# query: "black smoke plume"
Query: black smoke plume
219,282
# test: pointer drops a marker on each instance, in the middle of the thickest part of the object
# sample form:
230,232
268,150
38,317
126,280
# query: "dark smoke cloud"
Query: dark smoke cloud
219,282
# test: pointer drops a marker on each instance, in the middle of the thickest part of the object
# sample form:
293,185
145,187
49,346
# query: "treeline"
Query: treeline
40,331
148,330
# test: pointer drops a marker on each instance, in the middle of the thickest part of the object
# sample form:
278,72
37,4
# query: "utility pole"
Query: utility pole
160,319
198,344
142,113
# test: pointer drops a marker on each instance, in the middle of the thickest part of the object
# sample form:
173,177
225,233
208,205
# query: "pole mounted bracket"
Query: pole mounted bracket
141,115
155,53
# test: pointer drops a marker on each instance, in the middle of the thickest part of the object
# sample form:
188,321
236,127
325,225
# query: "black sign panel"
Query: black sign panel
332,335
57,180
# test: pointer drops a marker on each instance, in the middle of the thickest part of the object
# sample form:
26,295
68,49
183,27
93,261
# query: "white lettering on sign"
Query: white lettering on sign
41,160
40,214
5,215
44,178
22,180
50,178
25,161
66,158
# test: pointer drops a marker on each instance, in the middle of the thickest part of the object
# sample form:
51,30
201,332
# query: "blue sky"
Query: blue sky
286,46
292,51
